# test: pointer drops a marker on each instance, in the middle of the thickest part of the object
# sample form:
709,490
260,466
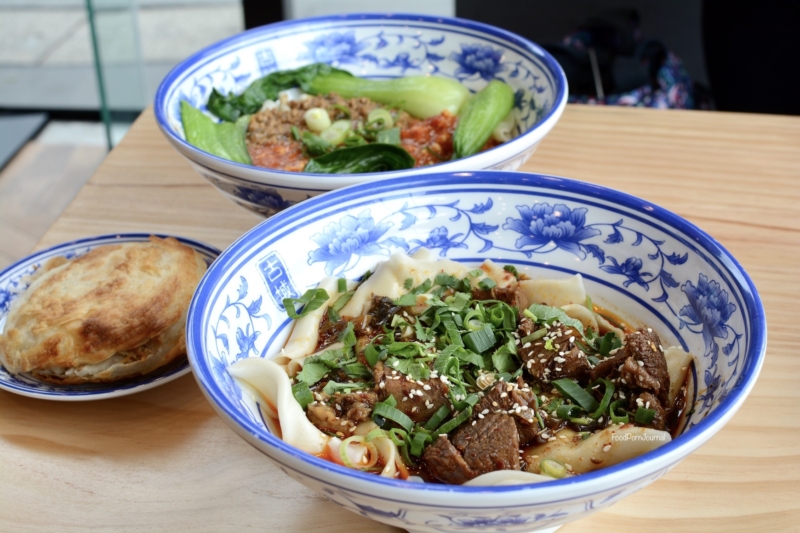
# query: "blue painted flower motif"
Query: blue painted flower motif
631,269
340,241
341,47
438,238
5,300
708,306
478,59
542,224
268,198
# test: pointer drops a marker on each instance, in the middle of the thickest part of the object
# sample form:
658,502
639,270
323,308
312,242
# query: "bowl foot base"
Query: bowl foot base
545,530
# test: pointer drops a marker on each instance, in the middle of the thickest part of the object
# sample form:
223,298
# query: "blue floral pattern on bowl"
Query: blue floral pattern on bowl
14,280
646,264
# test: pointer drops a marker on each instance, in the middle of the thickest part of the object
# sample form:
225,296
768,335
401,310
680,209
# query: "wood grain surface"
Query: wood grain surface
162,460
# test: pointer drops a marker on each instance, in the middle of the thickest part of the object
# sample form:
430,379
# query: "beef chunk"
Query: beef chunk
491,444
446,464
640,363
513,296
648,401
565,360
516,400
325,418
356,406
417,399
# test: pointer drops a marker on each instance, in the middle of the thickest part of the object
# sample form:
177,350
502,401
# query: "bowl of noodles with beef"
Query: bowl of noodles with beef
485,351
284,112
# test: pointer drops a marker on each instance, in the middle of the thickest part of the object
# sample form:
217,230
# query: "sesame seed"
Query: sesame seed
426,387
344,423
338,407
572,339
405,398
473,423
647,405
485,412
503,394
542,360
607,447
495,404
641,363
526,345
382,385
480,416
414,409
517,341
551,439
649,330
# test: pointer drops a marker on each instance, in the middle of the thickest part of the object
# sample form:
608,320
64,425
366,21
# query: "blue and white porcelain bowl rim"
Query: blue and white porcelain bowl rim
111,390
668,454
521,142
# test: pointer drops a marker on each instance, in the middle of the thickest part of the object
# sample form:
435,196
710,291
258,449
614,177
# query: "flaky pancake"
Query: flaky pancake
116,312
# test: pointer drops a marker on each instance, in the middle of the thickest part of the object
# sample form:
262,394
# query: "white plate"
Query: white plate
12,283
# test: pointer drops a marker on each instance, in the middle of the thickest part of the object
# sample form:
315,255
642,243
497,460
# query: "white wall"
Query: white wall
293,9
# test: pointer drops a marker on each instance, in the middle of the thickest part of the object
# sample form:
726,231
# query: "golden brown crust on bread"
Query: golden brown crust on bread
117,311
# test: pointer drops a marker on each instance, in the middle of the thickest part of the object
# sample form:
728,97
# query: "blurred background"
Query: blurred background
74,74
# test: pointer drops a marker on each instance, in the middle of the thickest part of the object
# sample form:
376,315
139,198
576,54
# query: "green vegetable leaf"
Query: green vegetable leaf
333,387
312,300
226,140
230,107
375,157
302,394
482,113
545,313
312,372
390,136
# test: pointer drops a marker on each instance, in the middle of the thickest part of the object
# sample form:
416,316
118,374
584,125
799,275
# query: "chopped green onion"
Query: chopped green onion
487,284
589,304
469,401
302,394
418,443
535,336
612,412
390,413
592,359
452,331
512,270
644,416
408,283
528,313
609,392
313,300
342,285
567,411
391,401
552,468
437,418
571,389
296,133
454,423
333,315
342,300
475,273
481,340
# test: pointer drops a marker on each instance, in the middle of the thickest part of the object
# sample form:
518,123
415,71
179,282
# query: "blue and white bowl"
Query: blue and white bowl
14,281
373,46
636,258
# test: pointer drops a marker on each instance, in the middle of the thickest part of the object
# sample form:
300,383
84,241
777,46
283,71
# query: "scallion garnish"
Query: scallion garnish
342,285
644,416
311,301
342,300
418,442
512,270
462,417
609,392
572,390
406,300
390,413
535,336
371,354
612,412
437,418
481,340
567,411
452,331
333,387
487,284
552,468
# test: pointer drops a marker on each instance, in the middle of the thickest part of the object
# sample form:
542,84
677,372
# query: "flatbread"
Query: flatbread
116,312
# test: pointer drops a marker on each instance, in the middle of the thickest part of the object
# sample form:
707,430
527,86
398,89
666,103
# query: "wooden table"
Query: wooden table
163,461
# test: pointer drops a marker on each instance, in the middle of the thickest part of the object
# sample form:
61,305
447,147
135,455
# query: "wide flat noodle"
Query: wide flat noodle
678,364
390,275
604,448
387,450
305,334
581,313
555,292
507,477
272,384
493,270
